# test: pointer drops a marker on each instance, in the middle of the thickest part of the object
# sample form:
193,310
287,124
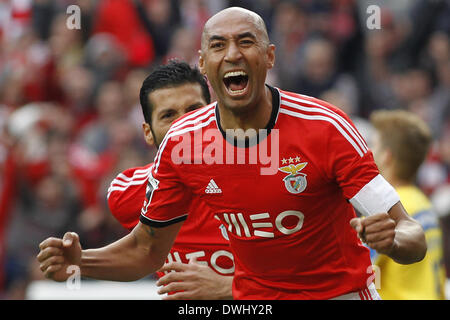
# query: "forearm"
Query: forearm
225,291
123,260
409,243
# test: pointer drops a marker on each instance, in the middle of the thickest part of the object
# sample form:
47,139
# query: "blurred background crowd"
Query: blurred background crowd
70,118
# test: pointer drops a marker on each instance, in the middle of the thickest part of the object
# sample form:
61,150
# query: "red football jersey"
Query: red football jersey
200,237
285,197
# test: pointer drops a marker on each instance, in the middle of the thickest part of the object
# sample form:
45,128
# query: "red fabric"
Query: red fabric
119,17
202,237
88,170
289,230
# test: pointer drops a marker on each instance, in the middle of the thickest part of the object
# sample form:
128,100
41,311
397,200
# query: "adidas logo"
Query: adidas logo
212,187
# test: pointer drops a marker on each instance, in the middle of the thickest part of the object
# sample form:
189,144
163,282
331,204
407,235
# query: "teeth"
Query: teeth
234,74
237,91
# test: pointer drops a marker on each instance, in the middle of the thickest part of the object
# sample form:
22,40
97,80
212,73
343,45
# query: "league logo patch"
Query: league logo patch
295,182
151,186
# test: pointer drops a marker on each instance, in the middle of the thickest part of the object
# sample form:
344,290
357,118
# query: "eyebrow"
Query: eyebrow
196,105
246,35
240,36
168,109
164,110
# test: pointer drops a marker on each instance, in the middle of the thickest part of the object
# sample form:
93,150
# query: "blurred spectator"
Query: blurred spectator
320,72
160,18
48,201
105,58
120,18
182,47
91,154
289,31
77,88
47,209
131,87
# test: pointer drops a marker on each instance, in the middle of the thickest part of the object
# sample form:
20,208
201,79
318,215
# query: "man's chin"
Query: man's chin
235,106
231,102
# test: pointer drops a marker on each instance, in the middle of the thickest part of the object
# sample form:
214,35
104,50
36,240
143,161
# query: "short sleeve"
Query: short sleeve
352,166
167,197
126,194
349,161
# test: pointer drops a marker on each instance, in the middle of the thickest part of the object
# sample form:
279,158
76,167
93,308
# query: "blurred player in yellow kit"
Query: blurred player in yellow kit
400,145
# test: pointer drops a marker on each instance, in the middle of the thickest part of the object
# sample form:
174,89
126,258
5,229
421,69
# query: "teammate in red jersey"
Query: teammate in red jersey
289,214
168,92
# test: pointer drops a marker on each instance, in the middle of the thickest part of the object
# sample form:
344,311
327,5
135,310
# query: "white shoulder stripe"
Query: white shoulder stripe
185,121
182,123
328,119
134,182
177,133
194,121
122,182
136,175
120,187
324,110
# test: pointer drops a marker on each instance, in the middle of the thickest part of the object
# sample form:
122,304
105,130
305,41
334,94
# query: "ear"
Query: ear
270,56
201,63
148,136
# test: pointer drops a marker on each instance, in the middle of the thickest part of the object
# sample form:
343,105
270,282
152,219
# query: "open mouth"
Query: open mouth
236,82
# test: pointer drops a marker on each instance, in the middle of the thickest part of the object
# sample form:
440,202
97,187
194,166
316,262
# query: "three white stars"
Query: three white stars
290,160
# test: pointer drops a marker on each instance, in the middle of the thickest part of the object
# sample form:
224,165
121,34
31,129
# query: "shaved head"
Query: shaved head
235,56
226,17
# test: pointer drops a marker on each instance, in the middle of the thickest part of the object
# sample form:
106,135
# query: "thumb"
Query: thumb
69,238
356,224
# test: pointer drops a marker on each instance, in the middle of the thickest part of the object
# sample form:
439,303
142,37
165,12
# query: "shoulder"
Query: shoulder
187,125
193,120
321,119
126,194
310,108
129,179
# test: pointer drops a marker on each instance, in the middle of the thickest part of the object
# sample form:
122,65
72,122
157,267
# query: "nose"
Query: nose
233,53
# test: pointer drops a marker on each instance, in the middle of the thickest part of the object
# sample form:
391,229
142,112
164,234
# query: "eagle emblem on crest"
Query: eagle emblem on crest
295,182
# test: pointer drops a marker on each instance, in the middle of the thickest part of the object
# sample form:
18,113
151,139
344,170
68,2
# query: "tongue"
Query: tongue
237,85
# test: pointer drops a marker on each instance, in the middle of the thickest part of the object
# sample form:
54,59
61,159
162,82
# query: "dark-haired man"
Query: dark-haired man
290,229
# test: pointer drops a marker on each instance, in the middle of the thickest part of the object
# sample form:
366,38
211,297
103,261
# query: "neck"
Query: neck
254,116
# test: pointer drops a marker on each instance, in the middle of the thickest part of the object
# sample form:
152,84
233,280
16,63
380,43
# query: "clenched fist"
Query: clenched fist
377,231
56,255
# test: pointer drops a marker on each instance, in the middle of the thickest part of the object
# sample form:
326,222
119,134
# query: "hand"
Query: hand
56,255
377,231
193,281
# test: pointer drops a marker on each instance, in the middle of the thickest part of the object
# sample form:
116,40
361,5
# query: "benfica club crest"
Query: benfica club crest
295,182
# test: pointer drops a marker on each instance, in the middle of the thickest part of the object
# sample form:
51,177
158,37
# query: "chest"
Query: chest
264,190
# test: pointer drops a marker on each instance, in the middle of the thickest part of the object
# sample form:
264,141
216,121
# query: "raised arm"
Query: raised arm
141,252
